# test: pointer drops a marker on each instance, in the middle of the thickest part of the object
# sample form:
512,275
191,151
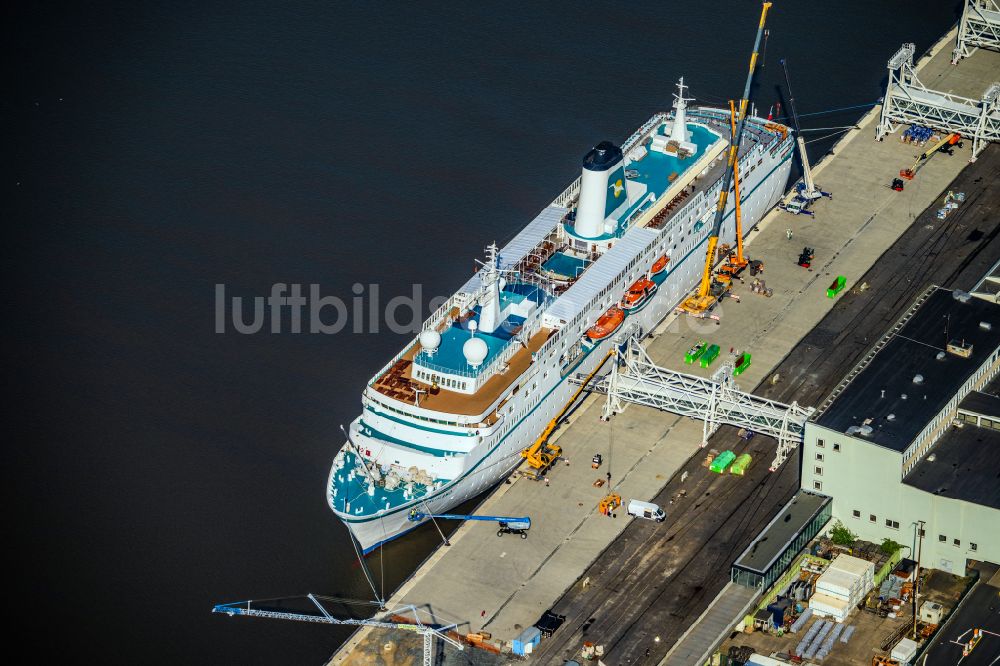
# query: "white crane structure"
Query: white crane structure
716,401
909,102
979,28
383,618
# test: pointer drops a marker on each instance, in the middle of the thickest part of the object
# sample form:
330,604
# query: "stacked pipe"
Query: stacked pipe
804,643
848,632
801,621
824,651
818,640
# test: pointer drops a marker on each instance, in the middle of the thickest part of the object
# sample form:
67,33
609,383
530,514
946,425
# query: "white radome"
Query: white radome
430,341
475,351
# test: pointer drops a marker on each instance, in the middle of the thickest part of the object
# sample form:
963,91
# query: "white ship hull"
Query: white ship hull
474,461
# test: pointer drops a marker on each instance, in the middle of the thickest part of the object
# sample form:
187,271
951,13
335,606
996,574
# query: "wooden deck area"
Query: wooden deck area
398,383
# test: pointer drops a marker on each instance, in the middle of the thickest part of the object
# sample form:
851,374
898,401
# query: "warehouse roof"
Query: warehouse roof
911,378
782,530
962,465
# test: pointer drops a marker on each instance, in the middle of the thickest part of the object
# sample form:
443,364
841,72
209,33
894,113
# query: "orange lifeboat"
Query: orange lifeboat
659,265
606,324
638,295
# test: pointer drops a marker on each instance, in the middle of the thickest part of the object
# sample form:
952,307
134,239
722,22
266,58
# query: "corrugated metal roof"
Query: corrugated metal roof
523,242
601,273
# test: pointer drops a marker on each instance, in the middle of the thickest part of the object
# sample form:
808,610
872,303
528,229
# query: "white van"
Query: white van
646,510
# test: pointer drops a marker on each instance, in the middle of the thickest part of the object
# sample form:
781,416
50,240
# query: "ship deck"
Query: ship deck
398,383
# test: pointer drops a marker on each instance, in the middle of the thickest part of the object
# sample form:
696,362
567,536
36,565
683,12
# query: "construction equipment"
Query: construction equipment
735,264
806,191
897,184
609,503
542,455
944,145
508,525
806,257
709,290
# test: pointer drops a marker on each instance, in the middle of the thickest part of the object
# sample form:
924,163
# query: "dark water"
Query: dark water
157,149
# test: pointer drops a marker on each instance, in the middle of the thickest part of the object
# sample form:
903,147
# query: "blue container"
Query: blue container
530,636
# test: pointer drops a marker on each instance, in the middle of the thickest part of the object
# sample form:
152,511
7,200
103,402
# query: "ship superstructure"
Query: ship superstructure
608,259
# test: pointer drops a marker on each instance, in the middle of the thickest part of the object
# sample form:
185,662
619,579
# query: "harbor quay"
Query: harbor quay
497,587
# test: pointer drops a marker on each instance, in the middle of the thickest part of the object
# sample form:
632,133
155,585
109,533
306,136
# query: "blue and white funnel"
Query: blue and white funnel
602,189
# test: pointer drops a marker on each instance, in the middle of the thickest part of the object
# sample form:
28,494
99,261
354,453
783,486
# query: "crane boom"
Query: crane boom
807,178
522,523
702,299
541,455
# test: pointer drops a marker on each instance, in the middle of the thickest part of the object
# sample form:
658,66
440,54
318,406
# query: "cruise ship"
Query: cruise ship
609,258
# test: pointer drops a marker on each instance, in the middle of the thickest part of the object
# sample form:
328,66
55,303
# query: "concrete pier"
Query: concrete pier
502,585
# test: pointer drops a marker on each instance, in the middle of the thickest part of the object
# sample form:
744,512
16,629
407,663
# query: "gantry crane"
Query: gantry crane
508,525
710,290
542,455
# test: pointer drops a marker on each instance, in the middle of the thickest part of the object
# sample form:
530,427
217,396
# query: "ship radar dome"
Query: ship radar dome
475,351
430,341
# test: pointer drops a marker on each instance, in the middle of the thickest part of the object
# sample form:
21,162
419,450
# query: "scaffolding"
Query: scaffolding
979,28
717,401
909,102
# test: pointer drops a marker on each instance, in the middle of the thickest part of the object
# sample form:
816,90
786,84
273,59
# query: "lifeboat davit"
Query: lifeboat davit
659,265
638,295
607,324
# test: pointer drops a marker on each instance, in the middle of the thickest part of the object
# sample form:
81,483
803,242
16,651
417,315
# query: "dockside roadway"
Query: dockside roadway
634,586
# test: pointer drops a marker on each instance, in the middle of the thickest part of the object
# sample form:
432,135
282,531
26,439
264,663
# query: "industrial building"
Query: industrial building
911,436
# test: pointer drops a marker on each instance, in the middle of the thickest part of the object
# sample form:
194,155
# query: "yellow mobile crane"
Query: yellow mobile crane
736,264
709,290
542,455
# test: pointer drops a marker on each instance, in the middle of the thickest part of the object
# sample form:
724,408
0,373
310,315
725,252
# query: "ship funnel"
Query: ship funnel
602,189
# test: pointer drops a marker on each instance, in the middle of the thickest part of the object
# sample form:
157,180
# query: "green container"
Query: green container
836,287
742,363
722,462
741,464
709,356
695,352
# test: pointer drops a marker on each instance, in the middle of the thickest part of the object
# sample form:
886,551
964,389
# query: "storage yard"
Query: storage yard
631,587
866,631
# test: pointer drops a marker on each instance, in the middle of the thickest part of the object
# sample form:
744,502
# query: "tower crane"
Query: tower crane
709,290
394,618
806,191
508,525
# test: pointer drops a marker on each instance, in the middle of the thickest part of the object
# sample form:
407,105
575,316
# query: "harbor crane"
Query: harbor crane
542,454
508,525
806,191
710,290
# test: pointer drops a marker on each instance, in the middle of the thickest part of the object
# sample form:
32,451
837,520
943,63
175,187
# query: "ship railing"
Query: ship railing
459,300
385,368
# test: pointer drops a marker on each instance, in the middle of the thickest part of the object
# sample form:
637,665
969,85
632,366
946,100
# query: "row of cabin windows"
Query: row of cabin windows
448,382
